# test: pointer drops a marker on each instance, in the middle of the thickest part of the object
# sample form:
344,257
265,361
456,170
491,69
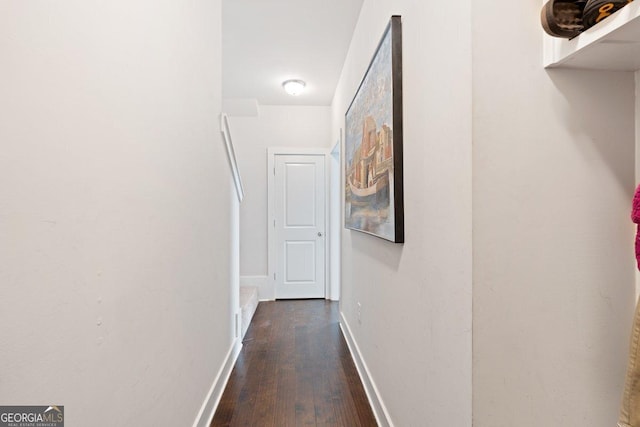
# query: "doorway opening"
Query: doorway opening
297,222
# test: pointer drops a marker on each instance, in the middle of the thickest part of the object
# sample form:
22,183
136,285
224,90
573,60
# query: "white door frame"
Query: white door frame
271,234
336,212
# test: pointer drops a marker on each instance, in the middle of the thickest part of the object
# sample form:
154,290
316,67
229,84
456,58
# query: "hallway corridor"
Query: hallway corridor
294,369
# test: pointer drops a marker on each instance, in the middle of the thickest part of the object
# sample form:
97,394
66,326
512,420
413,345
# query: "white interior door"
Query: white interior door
300,226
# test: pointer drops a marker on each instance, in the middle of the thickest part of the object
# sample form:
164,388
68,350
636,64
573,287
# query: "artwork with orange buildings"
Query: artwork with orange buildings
373,144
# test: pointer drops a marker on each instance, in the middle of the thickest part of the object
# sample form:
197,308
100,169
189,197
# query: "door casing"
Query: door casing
272,152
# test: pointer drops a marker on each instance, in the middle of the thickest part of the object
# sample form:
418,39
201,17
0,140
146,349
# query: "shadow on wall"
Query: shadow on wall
379,250
586,113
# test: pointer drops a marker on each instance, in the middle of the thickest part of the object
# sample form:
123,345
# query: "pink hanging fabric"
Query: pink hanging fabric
635,217
630,409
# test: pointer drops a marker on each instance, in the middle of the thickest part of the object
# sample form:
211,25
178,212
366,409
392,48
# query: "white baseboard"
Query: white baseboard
212,400
266,292
377,405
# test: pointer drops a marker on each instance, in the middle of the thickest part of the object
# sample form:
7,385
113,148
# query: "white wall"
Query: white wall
335,221
276,126
114,209
637,158
637,126
415,329
553,242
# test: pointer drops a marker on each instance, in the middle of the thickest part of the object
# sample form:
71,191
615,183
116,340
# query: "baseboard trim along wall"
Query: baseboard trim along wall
266,292
212,400
377,405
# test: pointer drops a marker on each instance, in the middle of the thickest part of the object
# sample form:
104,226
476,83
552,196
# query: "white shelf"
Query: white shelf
613,44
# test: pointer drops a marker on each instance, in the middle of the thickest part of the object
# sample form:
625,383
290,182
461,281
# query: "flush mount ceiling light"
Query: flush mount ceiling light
294,87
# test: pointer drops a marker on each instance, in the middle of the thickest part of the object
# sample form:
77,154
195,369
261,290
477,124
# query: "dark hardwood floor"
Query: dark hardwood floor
294,370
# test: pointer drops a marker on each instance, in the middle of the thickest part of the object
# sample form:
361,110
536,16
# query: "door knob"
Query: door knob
319,233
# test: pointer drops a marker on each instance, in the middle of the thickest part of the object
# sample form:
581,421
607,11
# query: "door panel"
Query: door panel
300,195
300,262
299,226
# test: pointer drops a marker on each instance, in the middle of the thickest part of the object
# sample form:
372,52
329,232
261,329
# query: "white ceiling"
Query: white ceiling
265,42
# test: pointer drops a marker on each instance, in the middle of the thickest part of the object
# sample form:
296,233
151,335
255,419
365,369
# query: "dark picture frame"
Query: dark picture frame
374,196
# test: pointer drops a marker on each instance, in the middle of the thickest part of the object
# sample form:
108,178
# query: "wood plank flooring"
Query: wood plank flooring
294,370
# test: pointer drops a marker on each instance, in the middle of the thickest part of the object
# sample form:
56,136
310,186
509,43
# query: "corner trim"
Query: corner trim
210,404
377,405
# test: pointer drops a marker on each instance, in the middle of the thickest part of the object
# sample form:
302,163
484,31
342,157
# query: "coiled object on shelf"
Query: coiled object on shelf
597,10
562,18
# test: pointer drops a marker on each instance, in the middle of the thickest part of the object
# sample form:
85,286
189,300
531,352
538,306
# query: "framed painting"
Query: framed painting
373,144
